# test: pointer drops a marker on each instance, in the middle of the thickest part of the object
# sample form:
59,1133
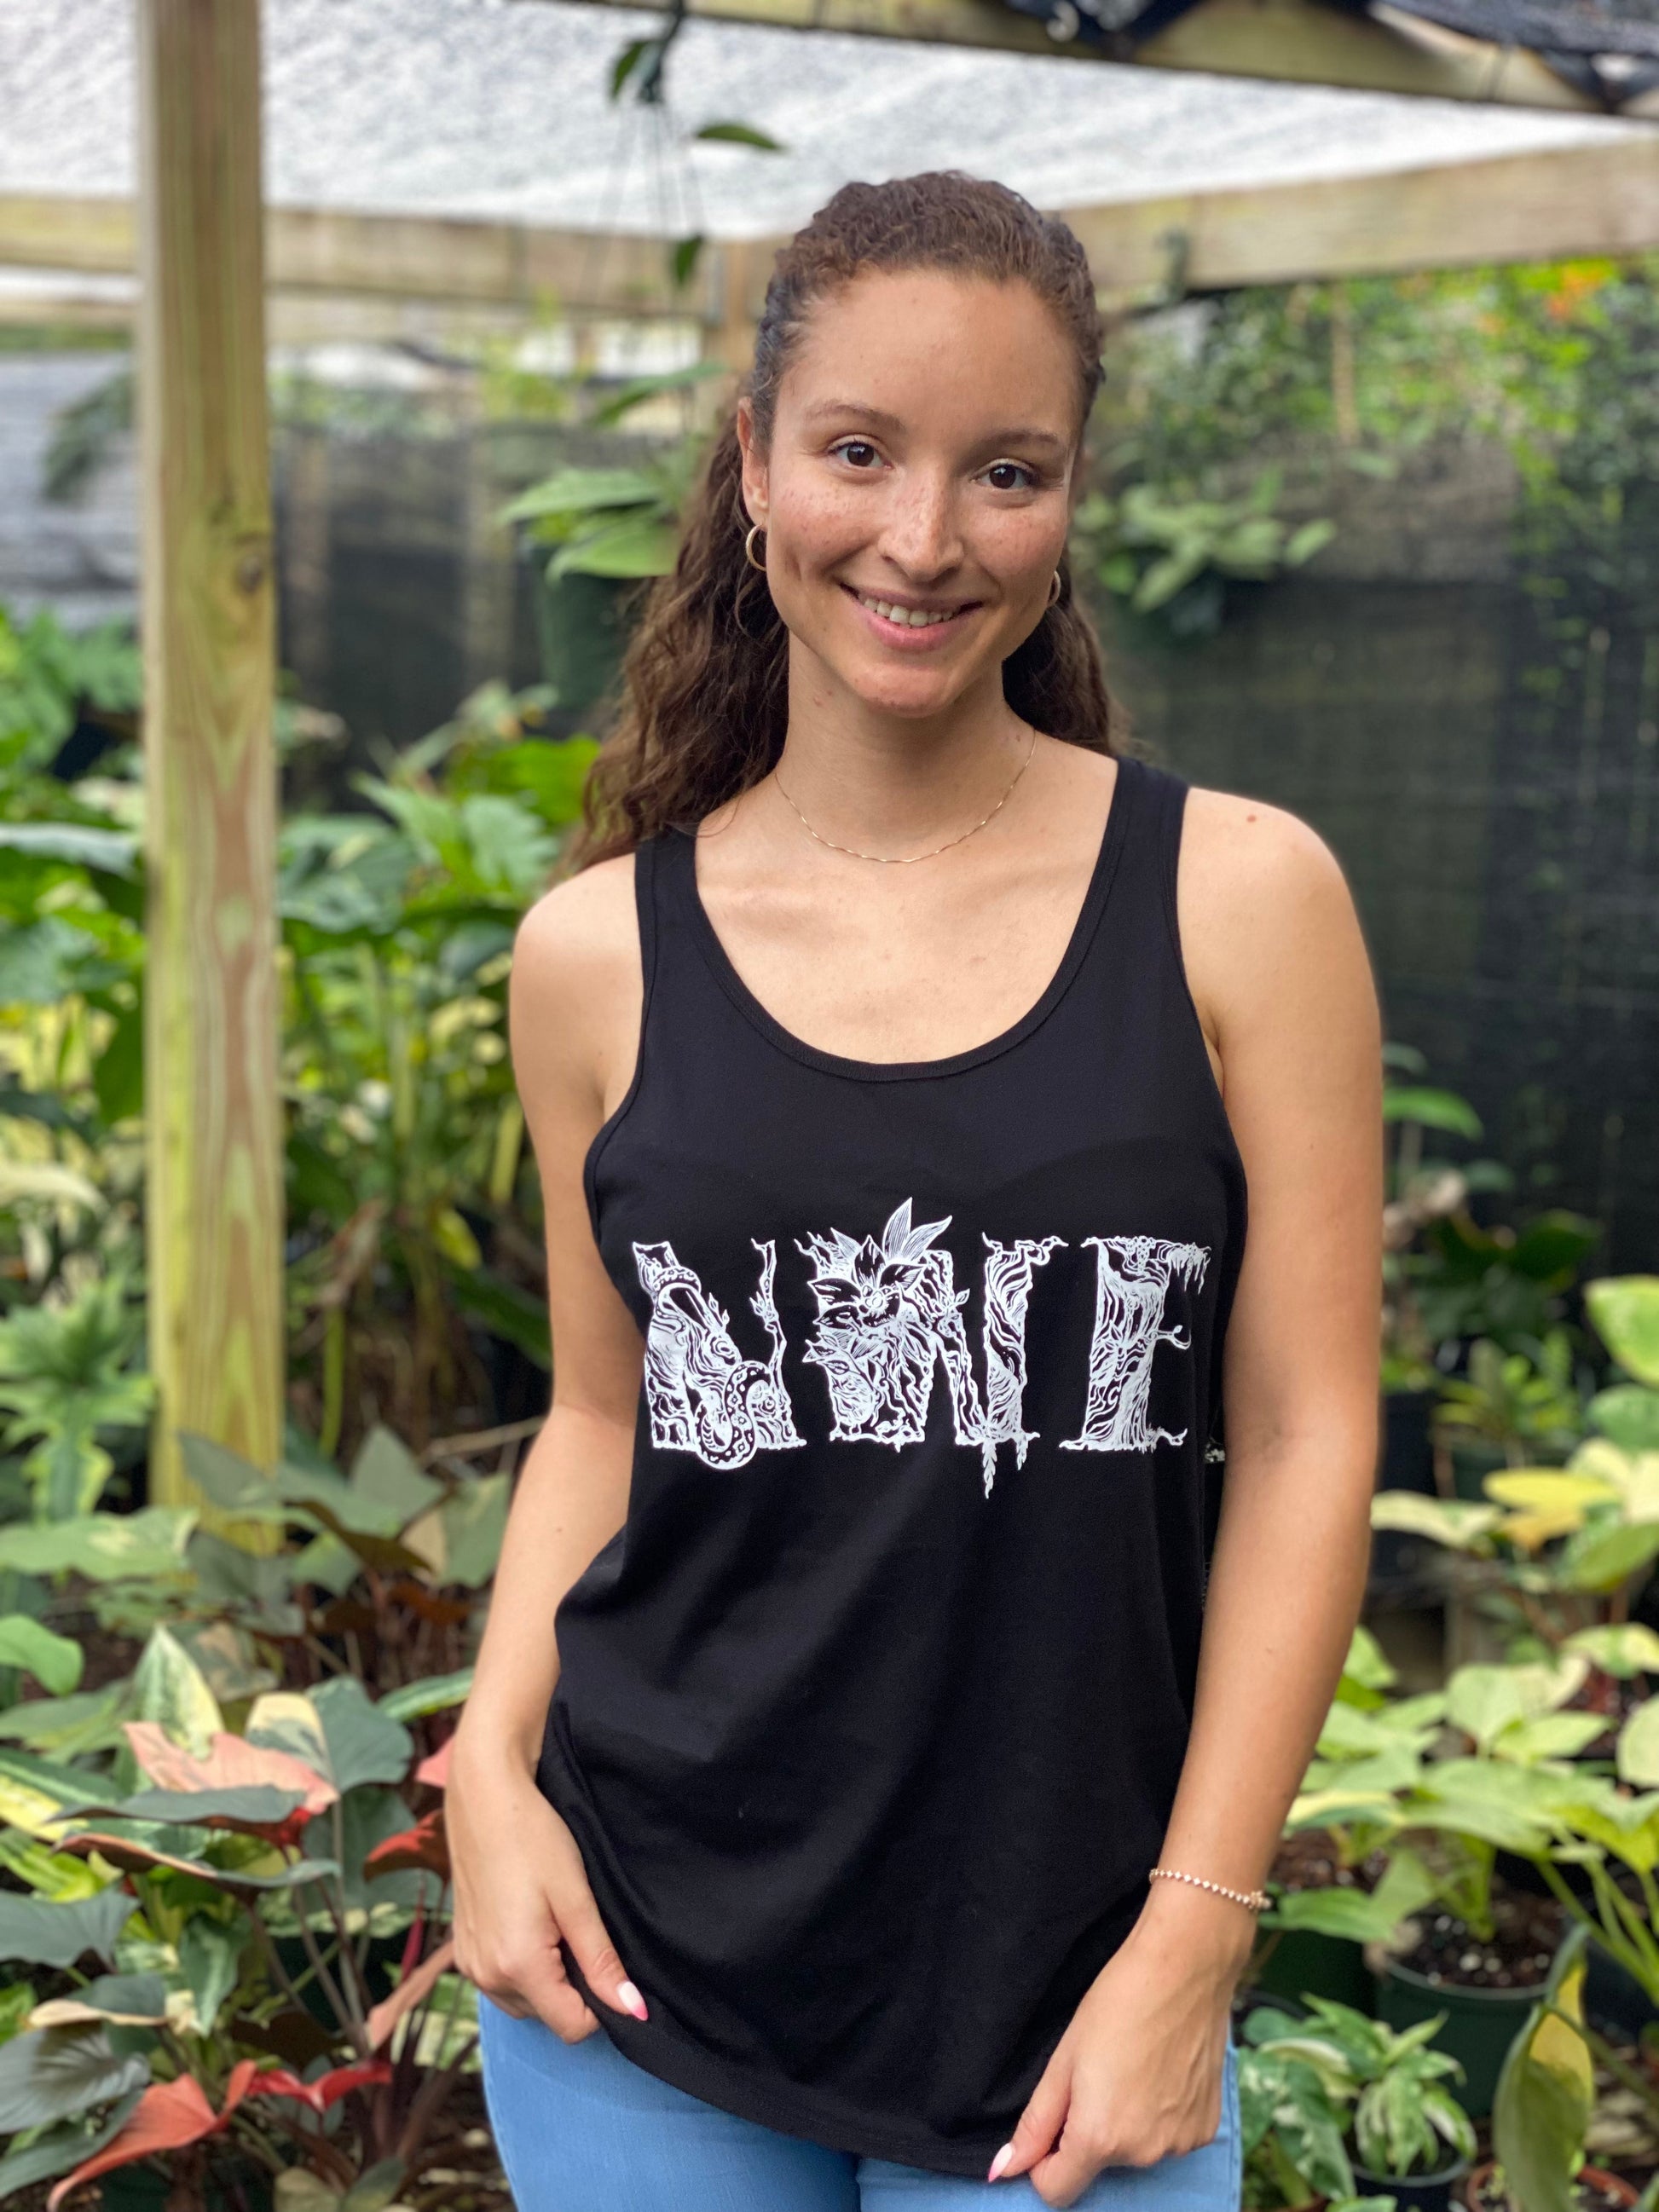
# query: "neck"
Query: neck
860,774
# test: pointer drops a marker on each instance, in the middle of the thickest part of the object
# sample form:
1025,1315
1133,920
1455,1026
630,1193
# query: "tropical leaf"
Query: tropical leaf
54,1661
41,1932
167,2116
104,1547
66,2146
49,2074
1625,1312
1546,2091
435,1693
231,1763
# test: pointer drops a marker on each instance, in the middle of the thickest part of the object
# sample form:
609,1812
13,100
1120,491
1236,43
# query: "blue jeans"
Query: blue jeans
581,2129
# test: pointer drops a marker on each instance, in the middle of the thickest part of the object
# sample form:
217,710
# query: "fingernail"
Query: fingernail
631,1997
1001,2160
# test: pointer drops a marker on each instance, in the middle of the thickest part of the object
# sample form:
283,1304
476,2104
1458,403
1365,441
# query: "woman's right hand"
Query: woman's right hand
521,1885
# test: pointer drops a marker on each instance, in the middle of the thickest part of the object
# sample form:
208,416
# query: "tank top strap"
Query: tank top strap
1128,916
1164,806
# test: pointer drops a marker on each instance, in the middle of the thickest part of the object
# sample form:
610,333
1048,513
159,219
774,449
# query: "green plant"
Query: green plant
1169,548
272,1922
70,1370
621,523
408,1181
1557,1550
1389,2083
1521,1406
1547,2091
1293,2103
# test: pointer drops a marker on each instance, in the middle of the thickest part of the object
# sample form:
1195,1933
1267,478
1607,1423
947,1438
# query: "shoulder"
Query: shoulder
576,981
1265,909
578,934
1247,847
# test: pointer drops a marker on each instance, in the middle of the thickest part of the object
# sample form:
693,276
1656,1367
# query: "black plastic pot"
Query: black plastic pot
1306,1962
1480,2025
1428,2192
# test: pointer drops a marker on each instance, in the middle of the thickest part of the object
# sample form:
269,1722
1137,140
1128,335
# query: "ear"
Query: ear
754,463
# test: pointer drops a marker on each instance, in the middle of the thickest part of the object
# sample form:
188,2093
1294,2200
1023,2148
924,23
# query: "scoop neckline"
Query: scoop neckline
896,1071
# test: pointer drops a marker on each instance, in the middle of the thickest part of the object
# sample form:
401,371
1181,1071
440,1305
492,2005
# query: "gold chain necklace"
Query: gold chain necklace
909,859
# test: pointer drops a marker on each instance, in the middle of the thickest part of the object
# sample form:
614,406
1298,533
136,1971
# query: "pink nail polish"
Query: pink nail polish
1001,2160
631,1997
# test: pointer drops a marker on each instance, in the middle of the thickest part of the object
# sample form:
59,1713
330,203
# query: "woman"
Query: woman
890,1817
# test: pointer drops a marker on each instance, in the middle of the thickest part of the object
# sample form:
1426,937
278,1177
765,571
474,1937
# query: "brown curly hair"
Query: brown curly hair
704,685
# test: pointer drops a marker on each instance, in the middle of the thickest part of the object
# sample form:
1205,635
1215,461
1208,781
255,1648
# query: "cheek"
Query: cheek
816,526
1020,543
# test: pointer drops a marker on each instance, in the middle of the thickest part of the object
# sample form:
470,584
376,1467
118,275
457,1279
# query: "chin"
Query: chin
916,702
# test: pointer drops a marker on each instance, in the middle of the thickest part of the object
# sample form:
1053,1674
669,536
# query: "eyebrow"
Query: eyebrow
1025,434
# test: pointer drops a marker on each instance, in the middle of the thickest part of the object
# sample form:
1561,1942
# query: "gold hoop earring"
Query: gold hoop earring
748,548
1056,587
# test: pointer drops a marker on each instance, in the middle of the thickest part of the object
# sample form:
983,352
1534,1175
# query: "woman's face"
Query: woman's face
917,491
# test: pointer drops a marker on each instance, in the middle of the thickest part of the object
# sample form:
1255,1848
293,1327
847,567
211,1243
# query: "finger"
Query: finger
1061,2177
597,1956
1039,2124
554,1997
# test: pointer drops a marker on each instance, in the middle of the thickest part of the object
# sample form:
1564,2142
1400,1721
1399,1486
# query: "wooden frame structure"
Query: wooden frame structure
204,251
213,1115
340,275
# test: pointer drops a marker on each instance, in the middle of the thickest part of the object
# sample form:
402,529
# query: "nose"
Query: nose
923,531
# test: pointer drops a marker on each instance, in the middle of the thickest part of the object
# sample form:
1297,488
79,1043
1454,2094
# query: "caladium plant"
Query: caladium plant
266,1913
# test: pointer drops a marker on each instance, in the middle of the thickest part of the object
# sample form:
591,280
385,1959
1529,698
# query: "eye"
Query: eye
859,453
1011,475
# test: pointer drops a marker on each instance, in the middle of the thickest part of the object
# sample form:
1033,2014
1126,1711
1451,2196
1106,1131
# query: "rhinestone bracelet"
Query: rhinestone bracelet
1257,1899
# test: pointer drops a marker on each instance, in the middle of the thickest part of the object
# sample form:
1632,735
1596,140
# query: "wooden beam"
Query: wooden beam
1291,41
212,1109
1550,206
1585,199
395,258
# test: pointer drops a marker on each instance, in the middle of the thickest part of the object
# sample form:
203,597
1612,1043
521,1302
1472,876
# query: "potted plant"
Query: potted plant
1292,2117
1403,2135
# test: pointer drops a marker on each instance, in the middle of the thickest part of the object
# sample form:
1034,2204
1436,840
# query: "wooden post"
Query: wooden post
213,1113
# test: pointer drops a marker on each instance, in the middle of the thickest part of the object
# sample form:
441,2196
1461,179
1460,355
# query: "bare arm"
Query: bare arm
1281,977
1302,1050
575,1015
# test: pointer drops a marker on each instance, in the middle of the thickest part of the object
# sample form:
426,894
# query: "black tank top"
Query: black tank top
869,1719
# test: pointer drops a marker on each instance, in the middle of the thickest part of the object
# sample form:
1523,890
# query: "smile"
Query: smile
907,618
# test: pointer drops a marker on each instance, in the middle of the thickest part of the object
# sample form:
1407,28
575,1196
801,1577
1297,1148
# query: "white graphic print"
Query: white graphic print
1008,1269
1134,1279
704,1396
888,1313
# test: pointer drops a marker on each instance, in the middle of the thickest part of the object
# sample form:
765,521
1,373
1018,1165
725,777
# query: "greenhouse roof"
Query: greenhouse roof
498,109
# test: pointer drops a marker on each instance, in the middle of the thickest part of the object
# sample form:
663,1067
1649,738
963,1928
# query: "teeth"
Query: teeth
912,617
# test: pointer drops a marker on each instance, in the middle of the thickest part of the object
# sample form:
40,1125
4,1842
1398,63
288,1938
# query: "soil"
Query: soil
1527,1933
1307,1860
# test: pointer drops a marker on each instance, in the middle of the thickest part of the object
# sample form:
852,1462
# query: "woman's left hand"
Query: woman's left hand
1137,2077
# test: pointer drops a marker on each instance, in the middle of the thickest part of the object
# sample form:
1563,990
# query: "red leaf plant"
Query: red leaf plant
173,2114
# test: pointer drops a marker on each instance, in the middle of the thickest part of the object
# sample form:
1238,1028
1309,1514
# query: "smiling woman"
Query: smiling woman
874,1625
